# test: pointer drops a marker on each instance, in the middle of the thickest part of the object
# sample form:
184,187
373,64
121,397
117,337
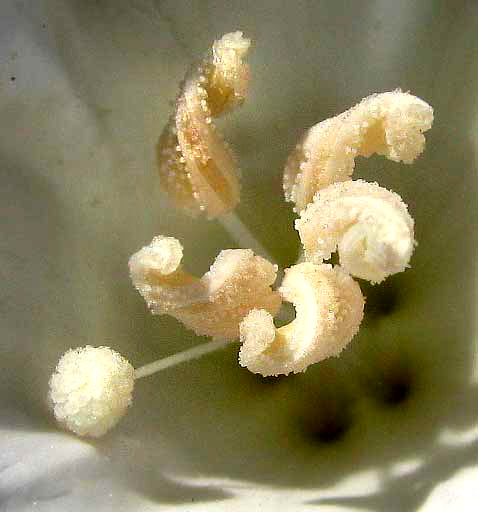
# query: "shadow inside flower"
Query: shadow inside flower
408,492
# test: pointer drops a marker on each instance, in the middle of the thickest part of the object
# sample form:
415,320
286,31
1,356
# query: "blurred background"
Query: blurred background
85,90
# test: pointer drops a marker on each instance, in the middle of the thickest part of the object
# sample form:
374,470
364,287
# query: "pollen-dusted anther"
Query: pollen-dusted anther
369,225
329,308
196,165
389,124
213,305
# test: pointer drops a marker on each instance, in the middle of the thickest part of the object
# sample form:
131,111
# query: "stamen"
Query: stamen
213,305
370,226
329,306
389,124
206,177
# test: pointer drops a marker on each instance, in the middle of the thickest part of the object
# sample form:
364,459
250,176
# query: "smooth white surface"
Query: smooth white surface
79,194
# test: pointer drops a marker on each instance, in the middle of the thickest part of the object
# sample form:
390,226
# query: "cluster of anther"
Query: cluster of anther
368,225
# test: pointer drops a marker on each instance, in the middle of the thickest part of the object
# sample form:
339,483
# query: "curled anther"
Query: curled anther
369,226
329,309
196,166
389,124
212,305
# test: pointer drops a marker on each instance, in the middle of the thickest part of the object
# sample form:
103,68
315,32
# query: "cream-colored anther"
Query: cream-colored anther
369,225
389,124
213,305
197,167
329,309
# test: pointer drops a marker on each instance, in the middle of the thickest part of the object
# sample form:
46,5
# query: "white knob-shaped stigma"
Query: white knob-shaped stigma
91,390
